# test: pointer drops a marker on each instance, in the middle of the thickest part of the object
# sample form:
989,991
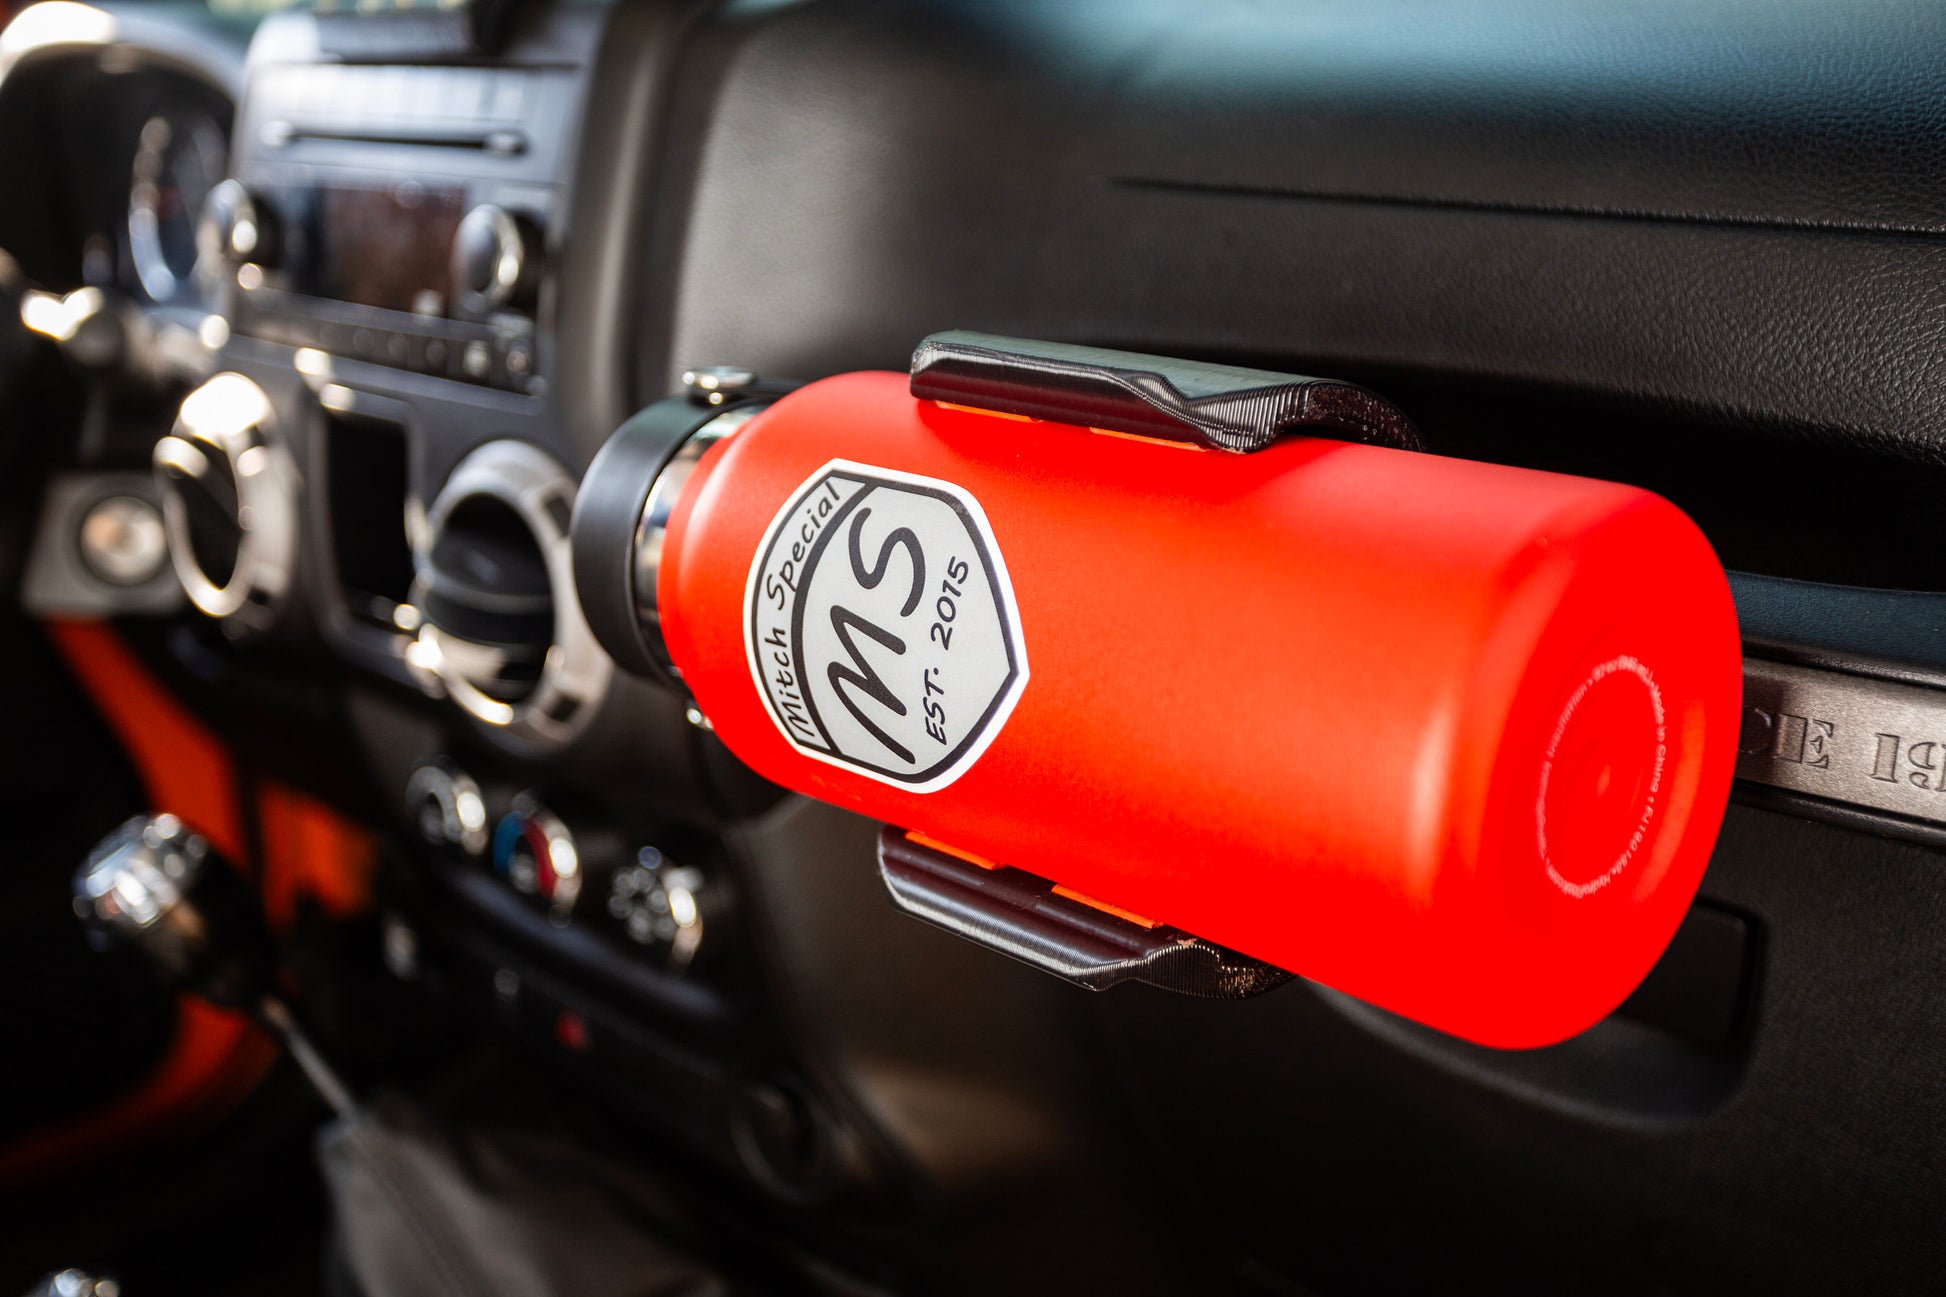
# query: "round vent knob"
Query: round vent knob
492,265
229,501
448,806
534,852
236,227
500,630
662,907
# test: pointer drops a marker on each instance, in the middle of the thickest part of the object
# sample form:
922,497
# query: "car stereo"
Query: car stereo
397,215
387,246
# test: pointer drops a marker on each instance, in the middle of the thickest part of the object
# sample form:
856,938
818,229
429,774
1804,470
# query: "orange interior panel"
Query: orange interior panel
217,1057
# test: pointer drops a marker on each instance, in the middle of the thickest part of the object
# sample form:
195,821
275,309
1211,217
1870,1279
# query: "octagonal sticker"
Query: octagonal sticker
881,625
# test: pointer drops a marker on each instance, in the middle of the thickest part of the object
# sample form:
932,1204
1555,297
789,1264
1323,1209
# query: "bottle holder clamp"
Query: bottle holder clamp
1078,938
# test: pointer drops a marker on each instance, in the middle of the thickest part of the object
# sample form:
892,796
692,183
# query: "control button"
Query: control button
476,361
448,808
122,540
519,360
536,854
490,260
425,355
659,906
236,227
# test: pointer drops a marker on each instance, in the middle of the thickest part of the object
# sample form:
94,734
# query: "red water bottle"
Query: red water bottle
1451,737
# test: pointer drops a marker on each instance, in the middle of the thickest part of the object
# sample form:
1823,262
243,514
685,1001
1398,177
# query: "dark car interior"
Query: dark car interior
496,971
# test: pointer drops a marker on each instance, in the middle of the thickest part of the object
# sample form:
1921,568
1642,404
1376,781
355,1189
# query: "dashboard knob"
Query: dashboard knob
123,540
447,806
491,260
661,906
237,227
156,887
537,856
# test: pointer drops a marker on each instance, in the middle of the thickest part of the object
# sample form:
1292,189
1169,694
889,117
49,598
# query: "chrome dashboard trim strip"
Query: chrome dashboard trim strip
1852,740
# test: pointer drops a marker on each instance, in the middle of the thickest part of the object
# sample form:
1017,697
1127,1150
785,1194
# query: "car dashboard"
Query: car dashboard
401,275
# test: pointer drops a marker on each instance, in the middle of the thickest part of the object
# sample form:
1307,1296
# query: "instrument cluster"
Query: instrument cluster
133,153
181,155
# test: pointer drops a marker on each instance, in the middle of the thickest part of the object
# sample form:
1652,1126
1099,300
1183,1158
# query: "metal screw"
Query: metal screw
715,380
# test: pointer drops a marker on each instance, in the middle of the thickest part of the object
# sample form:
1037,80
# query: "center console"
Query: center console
395,290
386,259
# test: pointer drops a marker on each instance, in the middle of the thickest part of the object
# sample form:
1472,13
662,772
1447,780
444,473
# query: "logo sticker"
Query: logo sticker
882,628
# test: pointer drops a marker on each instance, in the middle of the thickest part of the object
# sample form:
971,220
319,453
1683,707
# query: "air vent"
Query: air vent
229,502
485,583
501,633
